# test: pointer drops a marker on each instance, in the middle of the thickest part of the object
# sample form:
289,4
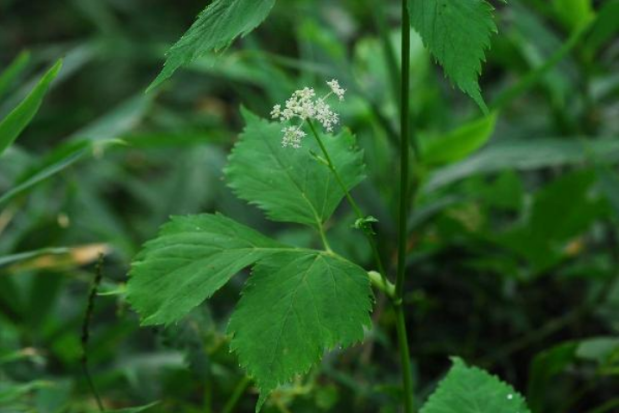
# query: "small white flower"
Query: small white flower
304,105
292,137
336,89
276,112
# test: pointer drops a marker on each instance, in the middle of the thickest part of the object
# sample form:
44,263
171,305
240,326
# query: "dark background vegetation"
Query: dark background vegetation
513,265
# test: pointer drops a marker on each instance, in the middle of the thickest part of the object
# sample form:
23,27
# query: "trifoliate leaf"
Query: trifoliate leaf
214,29
472,390
291,185
456,32
192,257
294,307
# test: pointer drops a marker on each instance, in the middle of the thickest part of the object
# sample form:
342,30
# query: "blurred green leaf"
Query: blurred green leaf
574,13
16,121
8,75
543,368
131,409
58,160
545,237
459,143
526,155
605,27
214,29
118,121
23,256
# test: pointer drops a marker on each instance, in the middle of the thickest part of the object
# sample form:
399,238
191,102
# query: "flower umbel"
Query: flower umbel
304,105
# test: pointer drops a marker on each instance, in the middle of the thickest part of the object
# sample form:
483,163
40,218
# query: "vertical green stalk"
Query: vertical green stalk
358,212
401,326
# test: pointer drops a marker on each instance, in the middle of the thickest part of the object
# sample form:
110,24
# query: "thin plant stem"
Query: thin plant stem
236,395
86,328
358,212
401,325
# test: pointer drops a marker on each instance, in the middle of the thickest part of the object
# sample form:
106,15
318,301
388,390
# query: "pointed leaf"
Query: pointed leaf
291,185
191,259
456,32
53,163
459,143
16,121
17,66
472,390
214,29
294,307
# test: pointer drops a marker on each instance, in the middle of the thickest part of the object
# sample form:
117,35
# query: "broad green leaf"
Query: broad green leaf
472,390
460,142
58,160
294,307
456,32
15,122
8,75
191,259
291,185
214,29
526,155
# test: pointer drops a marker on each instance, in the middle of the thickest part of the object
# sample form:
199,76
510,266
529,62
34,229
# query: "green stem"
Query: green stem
236,395
401,326
323,237
358,212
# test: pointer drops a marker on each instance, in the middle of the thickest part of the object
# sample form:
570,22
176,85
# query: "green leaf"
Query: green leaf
191,259
58,160
456,32
459,143
291,185
294,307
574,13
214,29
132,409
16,67
526,154
23,256
472,390
605,27
543,238
15,122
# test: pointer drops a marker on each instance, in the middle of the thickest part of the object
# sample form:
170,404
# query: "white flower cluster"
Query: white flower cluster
304,105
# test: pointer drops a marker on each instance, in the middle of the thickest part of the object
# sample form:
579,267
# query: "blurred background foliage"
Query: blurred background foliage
513,251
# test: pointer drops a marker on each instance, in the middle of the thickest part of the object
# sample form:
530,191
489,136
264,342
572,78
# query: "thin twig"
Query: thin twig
85,330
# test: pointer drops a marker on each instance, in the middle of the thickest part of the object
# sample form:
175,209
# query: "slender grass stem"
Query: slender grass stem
236,395
90,308
401,325
358,212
